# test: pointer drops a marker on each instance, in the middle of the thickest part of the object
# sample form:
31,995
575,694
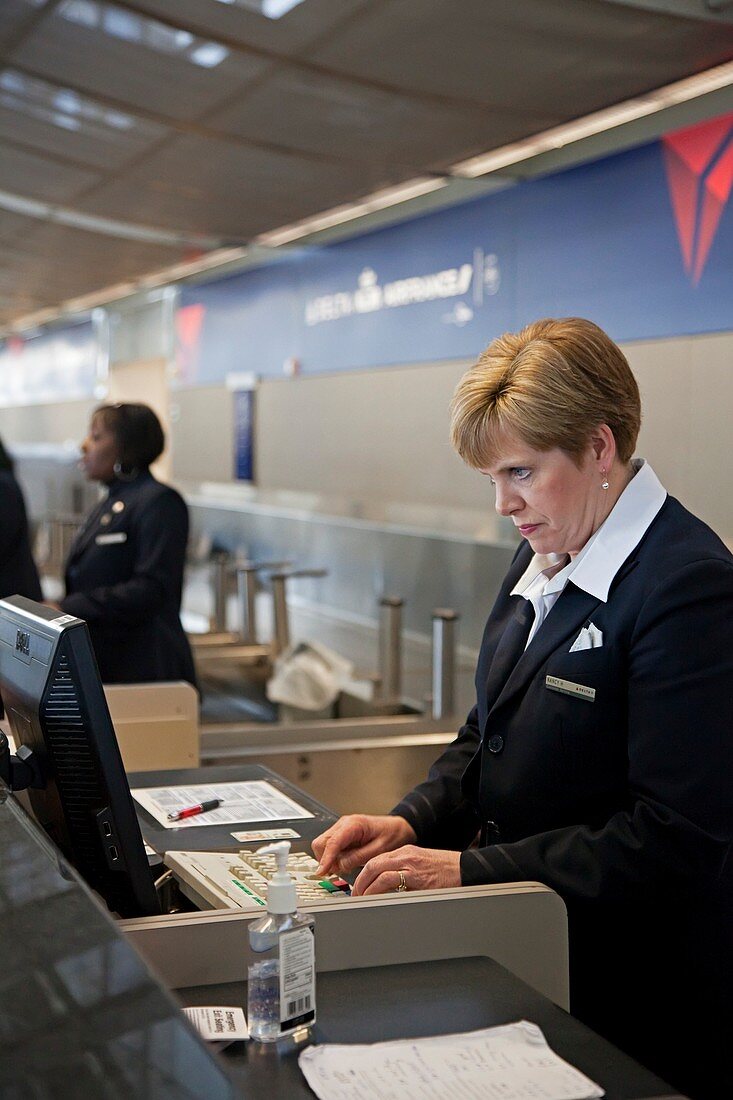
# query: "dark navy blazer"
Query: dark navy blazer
623,804
18,573
124,576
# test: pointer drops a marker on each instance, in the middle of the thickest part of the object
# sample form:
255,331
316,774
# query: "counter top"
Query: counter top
418,999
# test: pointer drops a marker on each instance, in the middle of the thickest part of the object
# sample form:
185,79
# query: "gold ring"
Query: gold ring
403,885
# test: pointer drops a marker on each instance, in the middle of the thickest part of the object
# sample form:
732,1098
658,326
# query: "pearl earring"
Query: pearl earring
605,483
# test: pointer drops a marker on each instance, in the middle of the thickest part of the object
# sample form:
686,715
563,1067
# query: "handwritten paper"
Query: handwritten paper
512,1062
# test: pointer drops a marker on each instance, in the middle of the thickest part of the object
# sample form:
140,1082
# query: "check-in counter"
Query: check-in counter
363,764
523,926
84,1015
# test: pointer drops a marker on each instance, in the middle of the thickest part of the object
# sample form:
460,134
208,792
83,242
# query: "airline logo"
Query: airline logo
189,320
699,164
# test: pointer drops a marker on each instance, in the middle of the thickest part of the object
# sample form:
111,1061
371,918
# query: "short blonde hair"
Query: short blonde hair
549,386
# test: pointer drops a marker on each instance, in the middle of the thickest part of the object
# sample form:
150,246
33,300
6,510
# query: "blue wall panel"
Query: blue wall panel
598,241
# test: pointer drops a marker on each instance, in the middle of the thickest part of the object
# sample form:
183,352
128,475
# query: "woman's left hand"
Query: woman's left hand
421,869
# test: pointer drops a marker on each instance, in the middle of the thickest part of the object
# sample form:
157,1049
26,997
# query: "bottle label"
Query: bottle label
297,978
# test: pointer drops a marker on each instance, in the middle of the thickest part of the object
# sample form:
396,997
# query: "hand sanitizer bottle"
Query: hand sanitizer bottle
281,993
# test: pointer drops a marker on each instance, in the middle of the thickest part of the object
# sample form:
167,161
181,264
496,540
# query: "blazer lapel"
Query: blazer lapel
572,609
509,647
87,531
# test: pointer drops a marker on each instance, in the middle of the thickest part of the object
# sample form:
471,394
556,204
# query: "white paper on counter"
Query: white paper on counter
253,800
218,1023
512,1062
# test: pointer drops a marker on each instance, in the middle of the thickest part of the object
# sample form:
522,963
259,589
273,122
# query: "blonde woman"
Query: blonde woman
598,758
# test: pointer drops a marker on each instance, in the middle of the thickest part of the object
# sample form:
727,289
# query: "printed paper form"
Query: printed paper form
512,1062
255,800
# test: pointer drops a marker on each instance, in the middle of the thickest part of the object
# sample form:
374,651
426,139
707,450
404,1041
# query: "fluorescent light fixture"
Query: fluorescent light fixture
337,215
63,107
141,30
209,55
76,219
610,117
192,267
87,302
273,9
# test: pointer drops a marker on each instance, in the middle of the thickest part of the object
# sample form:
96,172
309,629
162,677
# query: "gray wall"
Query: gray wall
382,434
62,422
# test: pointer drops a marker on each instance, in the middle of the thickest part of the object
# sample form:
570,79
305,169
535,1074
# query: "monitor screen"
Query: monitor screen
55,705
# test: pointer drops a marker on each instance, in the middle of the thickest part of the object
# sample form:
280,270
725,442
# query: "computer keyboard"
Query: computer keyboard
238,880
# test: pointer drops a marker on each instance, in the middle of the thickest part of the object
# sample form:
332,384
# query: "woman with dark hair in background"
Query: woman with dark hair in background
124,574
18,573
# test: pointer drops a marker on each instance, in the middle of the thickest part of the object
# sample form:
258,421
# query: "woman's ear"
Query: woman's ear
603,443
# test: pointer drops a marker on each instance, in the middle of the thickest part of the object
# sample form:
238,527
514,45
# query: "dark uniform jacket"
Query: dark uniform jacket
18,573
622,804
124,576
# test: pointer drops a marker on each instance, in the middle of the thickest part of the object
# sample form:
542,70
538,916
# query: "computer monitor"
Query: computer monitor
55,706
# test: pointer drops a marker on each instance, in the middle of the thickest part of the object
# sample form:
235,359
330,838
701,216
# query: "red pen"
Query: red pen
191,811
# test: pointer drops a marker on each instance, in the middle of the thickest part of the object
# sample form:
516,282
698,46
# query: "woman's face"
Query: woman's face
99,452
555,505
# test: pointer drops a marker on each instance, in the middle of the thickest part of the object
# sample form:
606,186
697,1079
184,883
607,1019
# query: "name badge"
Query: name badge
567,687
112,537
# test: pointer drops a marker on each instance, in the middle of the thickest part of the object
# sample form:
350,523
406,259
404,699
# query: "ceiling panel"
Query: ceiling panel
220,189
289,35
161,82
39,264
11,224
366,124
14,16
37,177
80,131
509,53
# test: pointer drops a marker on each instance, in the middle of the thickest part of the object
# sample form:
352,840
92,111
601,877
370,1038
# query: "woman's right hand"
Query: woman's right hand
354,839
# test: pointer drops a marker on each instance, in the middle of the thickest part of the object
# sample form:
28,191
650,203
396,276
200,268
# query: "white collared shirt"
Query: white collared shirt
595,566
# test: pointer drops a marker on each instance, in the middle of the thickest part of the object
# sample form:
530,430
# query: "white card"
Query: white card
261,835
217,1023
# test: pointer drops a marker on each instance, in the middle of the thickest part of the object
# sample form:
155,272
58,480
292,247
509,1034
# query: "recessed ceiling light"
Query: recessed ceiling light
140,30
62,107
273,9
209,54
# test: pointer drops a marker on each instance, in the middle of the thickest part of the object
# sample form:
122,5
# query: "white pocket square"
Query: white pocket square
590,637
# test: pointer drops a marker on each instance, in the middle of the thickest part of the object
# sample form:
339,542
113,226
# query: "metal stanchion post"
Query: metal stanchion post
390,647
219,576
281,638
246,592
444,662
247,596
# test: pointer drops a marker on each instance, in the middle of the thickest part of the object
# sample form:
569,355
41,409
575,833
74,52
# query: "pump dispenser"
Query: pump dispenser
281,895
281,995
